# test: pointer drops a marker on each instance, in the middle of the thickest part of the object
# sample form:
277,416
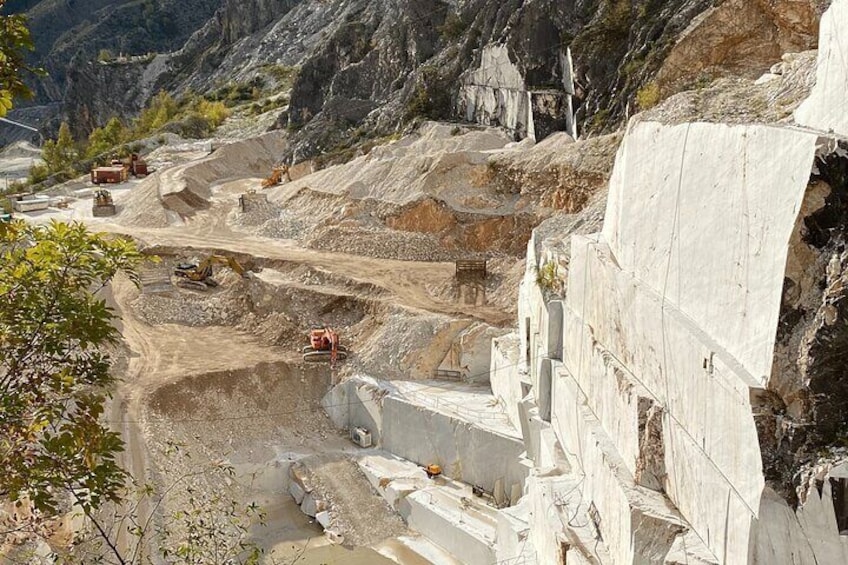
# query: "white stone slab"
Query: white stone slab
702,214
825,109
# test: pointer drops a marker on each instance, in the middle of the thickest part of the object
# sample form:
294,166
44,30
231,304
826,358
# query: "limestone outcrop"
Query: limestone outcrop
740,37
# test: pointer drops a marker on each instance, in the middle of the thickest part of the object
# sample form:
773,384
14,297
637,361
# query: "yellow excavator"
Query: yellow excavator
103,204
198,275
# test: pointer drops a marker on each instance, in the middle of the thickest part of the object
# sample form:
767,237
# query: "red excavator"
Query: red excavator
324,346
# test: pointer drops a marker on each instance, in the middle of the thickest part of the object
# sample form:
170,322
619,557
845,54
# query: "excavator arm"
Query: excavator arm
202,272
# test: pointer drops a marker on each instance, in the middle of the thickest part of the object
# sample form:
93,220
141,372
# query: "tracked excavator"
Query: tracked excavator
324,346
103,204
198,275
277,174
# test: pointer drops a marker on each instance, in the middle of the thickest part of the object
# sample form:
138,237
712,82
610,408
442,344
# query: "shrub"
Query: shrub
648,96
161,110
453,27
38,173
193,126
284,75
431,98
547,277
214,112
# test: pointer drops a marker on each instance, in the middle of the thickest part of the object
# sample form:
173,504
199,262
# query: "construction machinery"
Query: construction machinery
277,174
432,470
198,274
103,204
324,346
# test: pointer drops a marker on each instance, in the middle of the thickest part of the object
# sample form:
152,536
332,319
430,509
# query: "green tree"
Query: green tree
15,41
54,367
106,138
60,154
161,110
105,56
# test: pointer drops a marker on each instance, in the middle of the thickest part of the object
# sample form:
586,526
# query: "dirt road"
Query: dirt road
407,283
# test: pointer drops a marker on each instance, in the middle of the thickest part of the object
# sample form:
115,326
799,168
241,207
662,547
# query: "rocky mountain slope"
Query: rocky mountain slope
368,67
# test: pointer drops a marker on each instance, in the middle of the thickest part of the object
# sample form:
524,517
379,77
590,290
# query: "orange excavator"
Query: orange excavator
324,346
277,174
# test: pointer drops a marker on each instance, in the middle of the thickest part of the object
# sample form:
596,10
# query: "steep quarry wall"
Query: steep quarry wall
692,377
825,108
443,424
496,94
739,37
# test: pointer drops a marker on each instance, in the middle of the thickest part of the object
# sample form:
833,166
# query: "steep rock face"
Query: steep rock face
805,415
496,94
740,37
64,30
236,41
210,58
120,88
702,360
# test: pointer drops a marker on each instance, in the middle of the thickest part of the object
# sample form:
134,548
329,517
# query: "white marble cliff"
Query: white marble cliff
681,402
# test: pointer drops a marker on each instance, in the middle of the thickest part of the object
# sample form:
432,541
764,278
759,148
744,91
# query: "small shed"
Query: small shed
114,174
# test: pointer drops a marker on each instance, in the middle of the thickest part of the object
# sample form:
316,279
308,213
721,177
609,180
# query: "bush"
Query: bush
648,96
432,96
214,112
285,76
547,277
38,173
161,110
193,126
453,27
102,140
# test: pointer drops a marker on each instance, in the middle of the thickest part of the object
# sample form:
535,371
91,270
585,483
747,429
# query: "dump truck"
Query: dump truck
135,165
103,204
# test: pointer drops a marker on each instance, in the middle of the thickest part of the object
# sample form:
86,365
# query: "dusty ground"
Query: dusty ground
16,160
366,247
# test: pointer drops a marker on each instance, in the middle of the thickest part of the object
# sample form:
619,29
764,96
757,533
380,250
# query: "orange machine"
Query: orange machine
324,346
276,176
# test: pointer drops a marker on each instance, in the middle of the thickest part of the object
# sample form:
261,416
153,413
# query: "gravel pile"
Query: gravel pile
257,211
285,225
270,220
188,308
743,101
389,348
385,244
341,487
